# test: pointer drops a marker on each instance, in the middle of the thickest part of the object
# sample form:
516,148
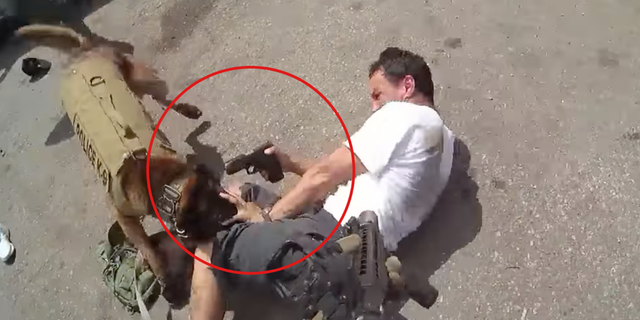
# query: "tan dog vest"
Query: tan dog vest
109,121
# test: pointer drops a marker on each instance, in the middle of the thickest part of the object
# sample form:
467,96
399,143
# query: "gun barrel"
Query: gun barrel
235,165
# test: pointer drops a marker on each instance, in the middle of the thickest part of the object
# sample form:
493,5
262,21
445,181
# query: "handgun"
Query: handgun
257,161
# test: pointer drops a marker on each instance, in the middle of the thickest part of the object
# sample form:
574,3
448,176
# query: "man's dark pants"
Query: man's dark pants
250,247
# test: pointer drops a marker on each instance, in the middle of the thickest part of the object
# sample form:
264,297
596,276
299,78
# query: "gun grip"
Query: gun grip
272,166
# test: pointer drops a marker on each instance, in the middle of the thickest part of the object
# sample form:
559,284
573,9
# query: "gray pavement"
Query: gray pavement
544,94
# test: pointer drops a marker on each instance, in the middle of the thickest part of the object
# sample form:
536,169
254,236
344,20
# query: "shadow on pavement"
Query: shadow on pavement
61,132
202,153
454,223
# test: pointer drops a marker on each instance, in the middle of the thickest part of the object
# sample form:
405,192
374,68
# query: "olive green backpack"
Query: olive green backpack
135,286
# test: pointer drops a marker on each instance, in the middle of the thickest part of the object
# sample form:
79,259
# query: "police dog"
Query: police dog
101,92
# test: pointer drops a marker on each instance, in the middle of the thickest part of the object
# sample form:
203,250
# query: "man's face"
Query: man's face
382,91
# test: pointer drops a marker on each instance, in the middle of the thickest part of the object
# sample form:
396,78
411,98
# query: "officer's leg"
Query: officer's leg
319,282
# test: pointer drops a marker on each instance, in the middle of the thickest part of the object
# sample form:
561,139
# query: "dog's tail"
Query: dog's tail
58,37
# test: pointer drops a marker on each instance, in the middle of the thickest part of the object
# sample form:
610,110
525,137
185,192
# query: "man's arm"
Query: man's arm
317,181
206,298
374,145
300,166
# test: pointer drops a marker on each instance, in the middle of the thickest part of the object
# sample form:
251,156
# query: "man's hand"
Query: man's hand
288,164
285,160
247,211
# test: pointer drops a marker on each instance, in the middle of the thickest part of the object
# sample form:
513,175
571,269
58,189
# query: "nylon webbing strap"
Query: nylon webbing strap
143,308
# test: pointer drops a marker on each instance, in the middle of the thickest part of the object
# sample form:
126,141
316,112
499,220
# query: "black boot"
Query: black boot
421,291
35,68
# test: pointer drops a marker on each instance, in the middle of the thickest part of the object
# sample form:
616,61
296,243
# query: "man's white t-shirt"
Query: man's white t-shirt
408,153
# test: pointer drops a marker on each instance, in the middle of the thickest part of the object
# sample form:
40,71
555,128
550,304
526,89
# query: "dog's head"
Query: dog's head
194,206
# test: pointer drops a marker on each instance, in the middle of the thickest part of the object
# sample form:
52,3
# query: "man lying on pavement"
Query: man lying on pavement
403,156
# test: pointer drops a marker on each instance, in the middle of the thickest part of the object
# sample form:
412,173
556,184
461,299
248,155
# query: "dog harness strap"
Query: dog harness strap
167,203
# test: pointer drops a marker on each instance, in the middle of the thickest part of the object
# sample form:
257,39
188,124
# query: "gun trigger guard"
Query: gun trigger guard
252,170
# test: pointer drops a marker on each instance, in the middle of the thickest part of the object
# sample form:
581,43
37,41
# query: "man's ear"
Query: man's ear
409,85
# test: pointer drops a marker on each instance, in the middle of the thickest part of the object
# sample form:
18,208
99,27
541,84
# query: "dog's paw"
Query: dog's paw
188,110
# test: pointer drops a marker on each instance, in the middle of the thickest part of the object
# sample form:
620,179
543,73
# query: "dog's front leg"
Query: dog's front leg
133,229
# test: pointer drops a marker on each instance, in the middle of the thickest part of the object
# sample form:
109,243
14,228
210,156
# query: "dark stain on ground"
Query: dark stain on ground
631,135
608,59
356,6
179,21
437,54
498,184
6,168
453,43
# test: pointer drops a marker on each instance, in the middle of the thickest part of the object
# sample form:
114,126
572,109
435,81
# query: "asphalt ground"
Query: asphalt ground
544,95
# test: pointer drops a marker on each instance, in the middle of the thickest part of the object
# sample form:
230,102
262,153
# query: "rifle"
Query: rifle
379,271
376,271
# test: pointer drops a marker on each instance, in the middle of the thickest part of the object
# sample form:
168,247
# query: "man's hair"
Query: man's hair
397,63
